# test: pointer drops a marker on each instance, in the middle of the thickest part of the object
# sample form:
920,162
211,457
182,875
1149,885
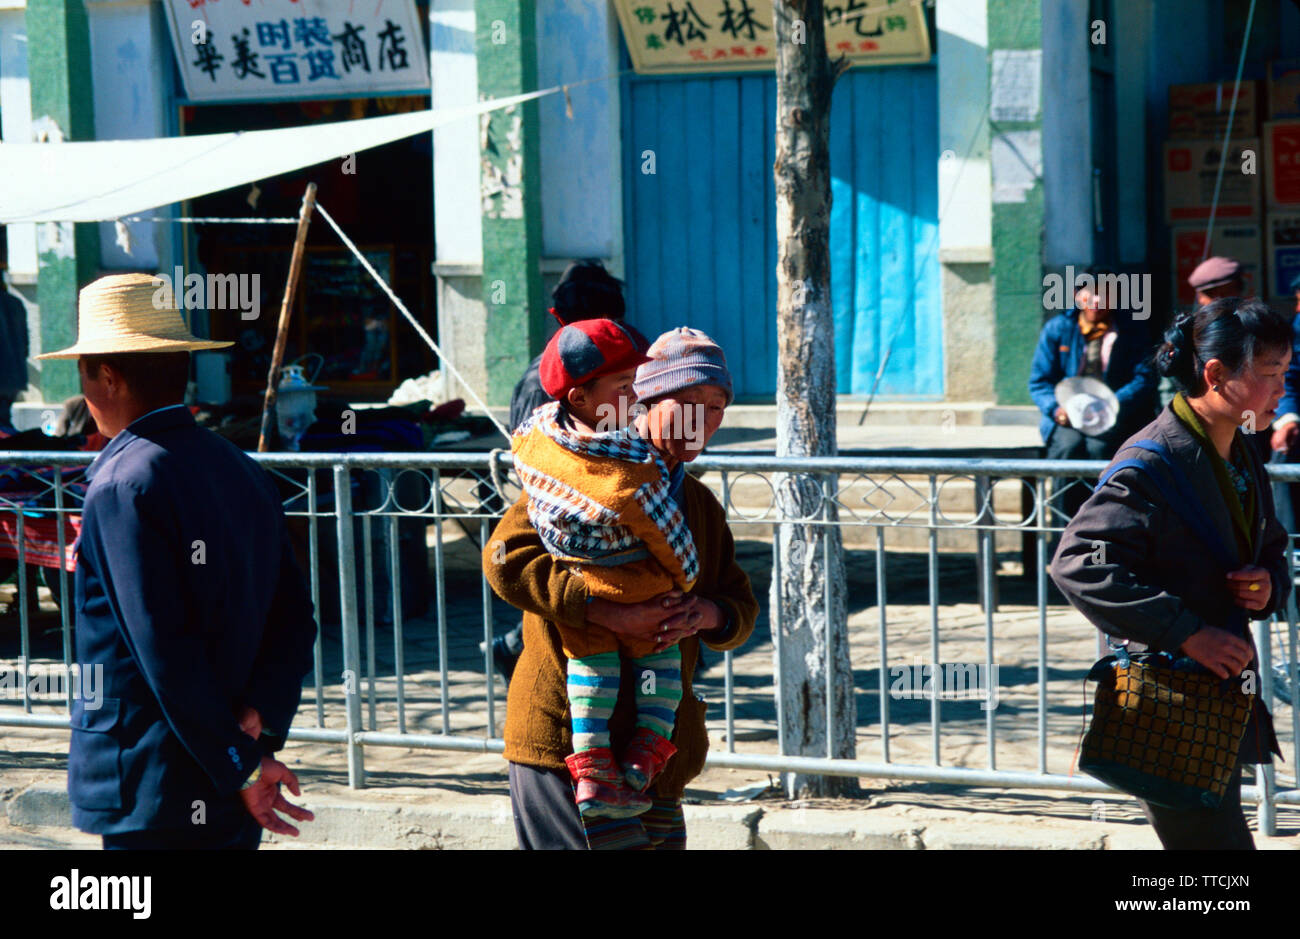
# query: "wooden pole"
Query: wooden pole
282,333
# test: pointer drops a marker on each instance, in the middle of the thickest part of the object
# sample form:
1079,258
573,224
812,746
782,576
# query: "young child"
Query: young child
599,499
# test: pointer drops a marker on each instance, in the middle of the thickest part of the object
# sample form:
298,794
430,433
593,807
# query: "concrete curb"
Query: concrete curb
484,822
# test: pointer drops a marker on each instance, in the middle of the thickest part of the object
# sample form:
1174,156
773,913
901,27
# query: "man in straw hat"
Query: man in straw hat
188,599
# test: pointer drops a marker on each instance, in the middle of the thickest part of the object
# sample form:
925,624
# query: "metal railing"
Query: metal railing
377,510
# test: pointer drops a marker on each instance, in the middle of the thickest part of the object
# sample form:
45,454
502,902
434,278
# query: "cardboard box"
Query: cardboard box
1241,241
1198,111
1283,255
1190,170
1283,89
1282,164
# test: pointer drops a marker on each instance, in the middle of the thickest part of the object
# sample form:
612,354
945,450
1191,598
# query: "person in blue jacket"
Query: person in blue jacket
190,605
1092,339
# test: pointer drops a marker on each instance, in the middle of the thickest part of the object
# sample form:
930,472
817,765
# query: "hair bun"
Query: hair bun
1177,340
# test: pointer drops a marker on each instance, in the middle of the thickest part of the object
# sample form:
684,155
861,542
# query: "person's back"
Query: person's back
184,539
212,497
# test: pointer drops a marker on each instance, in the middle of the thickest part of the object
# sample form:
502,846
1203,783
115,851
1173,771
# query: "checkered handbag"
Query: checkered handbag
1163,731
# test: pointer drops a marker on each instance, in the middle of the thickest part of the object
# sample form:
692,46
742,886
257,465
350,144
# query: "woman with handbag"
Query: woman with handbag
1178,547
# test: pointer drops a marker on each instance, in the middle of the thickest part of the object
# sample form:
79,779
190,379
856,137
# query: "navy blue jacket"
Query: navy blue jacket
1129,372
189,597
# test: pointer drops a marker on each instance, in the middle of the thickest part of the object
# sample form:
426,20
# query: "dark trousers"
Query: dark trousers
1222,829
243,835
1066,443
547,819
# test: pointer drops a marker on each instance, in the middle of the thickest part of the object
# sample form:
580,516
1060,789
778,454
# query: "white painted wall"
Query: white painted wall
129,58
16,125
965,182
458,229
1067,134
580,157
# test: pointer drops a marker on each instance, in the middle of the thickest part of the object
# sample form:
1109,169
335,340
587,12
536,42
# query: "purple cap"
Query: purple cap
1214,272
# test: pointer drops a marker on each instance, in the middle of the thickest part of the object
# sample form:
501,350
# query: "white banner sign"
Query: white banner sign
241,50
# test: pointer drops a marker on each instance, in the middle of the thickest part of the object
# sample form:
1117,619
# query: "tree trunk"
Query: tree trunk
808,591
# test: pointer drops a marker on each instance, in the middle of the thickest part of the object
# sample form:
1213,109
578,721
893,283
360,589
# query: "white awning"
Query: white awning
105,180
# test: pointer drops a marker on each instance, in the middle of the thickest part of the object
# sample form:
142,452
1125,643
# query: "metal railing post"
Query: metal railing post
350,627
1264,777
932,572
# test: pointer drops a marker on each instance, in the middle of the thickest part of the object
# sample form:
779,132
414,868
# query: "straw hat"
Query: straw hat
118,313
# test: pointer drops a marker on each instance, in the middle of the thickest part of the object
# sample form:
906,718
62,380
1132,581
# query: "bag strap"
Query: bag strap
1180,498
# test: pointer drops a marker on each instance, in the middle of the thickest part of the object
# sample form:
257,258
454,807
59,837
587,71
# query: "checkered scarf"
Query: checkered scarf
573,525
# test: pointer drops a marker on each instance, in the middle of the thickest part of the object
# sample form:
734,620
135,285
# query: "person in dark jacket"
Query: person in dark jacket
14,348
188,599
1139,571
586,291
1097,341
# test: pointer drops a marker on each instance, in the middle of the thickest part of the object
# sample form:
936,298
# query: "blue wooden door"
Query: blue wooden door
699,222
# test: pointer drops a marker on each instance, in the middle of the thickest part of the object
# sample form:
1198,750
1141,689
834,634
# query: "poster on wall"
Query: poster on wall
248,50
675,36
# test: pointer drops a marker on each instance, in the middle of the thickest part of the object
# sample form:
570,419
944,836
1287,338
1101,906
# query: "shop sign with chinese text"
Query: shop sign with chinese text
665,36
239,50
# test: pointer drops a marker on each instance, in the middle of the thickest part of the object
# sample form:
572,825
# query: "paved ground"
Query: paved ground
421,798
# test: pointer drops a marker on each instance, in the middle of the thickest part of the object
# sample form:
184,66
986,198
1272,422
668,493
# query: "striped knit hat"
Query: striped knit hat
682,358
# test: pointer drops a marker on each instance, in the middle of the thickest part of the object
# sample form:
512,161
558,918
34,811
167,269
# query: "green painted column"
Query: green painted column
58,63
1017,226
510,177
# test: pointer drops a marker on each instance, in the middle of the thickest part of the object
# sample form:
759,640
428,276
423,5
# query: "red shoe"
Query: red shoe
645,757
601,791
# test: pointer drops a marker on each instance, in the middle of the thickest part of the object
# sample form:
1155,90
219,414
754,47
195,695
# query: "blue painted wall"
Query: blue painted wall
700,229
578,153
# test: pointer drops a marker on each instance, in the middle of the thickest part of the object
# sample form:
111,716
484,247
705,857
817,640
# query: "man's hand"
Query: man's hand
250,722
1251,587
1284,437
1061,417
263,798
1219,651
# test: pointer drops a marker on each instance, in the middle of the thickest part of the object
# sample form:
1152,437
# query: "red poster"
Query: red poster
1284,162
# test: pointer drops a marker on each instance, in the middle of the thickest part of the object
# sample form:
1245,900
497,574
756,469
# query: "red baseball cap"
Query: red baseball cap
586,350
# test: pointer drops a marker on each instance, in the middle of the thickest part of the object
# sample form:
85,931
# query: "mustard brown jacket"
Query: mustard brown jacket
522,573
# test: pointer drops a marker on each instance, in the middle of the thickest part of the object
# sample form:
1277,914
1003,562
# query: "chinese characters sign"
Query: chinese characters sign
714,35
232,50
